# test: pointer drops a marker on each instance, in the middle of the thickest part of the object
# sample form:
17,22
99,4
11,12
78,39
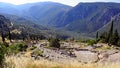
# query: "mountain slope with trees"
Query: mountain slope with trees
84,18
89,17
40,13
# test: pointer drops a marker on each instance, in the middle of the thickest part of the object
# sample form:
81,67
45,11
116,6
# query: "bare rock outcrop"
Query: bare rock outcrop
114,58
86,56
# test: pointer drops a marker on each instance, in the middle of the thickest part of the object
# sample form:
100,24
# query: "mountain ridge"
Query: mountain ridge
84,18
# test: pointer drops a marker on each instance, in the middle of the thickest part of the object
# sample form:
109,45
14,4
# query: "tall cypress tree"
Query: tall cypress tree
114,39
110,33
116,35
9,25
9,35
3,37
4,27
97,35
2,31
104,37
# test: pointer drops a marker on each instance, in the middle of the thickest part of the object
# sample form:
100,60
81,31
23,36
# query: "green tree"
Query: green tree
5,25
118,43
10,38
2,31
110,33
97,35
9,26
103,37
115,37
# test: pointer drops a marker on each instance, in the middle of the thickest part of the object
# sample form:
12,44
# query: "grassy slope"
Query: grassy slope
26,62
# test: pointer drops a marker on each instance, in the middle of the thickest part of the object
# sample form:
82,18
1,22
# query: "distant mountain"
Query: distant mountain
84,18
44,12
40,13
32,16
89,17
7,8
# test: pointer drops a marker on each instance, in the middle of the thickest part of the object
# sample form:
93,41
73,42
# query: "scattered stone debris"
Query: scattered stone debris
70,54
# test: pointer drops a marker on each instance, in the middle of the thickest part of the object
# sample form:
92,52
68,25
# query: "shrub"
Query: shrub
21,47
2,53
33,47
16,48
37,52
91,42
118,44
53,42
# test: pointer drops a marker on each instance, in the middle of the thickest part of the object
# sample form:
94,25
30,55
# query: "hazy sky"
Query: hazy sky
67,2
